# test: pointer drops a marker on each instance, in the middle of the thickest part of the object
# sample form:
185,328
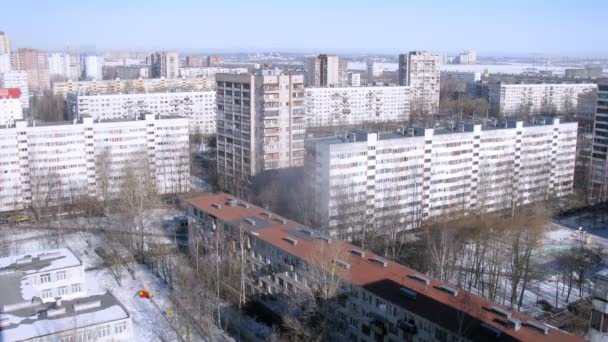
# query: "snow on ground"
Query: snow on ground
149,316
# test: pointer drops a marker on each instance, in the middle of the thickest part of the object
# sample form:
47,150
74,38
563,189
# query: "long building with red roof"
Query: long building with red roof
378,300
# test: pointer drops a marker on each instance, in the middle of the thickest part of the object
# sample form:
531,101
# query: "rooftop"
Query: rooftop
15,289
440,302
40,319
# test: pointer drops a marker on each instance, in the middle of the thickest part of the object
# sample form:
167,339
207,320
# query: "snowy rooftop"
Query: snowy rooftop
43,261
41,319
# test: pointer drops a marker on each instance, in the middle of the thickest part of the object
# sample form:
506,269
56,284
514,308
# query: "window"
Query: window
45,278
76,288
61,275
47,293
120,327
62,291
104,331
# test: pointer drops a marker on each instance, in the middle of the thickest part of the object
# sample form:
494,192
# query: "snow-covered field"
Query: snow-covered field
151,321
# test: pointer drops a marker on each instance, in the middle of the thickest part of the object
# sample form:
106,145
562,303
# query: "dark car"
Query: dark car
3,220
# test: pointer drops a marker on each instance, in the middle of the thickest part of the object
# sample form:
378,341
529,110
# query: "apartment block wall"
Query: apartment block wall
356,105
55,163
198,107
599,161
534,99
432,174
260,124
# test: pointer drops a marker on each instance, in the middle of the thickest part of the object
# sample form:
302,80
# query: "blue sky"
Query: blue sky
511,27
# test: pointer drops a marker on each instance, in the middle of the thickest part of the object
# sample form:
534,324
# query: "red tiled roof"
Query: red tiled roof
431,302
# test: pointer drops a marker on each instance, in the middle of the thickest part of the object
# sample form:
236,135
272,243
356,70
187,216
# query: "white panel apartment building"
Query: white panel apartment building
428,173
557,98
356,105
141,85
55,162
17,79
197,106
44,299
260,124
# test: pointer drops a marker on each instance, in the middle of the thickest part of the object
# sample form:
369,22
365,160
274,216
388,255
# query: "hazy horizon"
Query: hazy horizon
515,28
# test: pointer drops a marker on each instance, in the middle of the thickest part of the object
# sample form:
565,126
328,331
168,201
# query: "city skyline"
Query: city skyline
340,27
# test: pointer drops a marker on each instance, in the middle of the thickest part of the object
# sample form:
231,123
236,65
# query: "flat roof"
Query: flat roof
465,312
12,269
41,319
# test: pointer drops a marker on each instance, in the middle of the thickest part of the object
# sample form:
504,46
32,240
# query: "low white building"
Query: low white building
17,79
355,105
56,162
417,174
555,98
198,106
46,275
10,106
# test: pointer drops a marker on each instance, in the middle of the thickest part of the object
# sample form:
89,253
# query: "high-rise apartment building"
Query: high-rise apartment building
323,71
342,73
10,106
17,79
60,64
213,60
164,64
260,125
354,79
194,61
421,71
197,106
420,173
598,191
547,98
55,163
467,57
5,62
5,43
598,328
375,299
91,65
356,105
374,69
36,64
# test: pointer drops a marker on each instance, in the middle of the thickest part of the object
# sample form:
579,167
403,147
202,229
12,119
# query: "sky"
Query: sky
575,28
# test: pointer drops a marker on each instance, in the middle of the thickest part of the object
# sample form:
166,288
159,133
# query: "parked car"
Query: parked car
3,220
20,218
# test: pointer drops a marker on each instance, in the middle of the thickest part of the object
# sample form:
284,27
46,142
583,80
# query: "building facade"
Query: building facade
598,328
141,85
534,99
209,72
91,65
194,61
5,62
5,43
36,64
164,64
260,124
467,57
64,65
54,163
375,299
419,173
421,72
598,191
354,79
323,71
197,106
17,79
10,106
356,105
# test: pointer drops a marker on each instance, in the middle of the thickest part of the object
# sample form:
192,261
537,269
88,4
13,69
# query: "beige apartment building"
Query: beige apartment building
260,125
